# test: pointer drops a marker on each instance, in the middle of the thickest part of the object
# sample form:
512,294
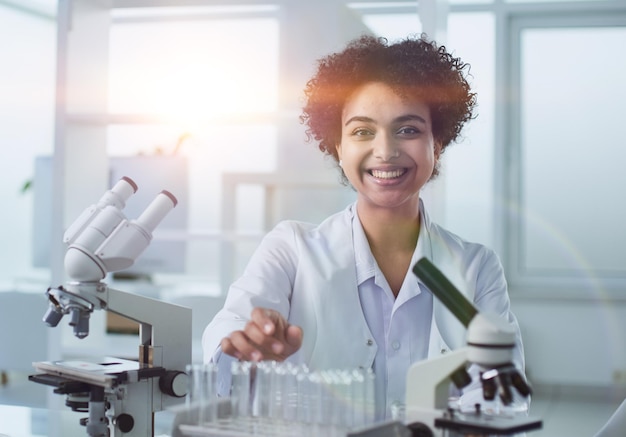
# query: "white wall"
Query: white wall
573,342
26,129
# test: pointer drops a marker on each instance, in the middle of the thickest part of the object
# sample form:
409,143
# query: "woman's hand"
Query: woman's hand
267,336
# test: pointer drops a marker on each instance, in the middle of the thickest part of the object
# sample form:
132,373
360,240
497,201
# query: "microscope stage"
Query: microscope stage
106,372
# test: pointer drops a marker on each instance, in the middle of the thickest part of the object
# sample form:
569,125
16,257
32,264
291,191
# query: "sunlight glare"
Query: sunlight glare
192,72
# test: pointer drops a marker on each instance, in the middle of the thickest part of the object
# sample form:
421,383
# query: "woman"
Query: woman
342,294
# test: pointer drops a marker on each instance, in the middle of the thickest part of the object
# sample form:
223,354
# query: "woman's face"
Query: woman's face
387,150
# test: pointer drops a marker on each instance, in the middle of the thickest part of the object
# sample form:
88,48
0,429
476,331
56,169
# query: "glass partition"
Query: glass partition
569,209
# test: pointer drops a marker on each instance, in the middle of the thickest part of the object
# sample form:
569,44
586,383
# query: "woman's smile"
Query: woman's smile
387,174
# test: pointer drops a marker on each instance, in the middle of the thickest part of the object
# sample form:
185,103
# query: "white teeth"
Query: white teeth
380,174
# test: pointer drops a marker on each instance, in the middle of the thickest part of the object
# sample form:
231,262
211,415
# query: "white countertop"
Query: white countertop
21,421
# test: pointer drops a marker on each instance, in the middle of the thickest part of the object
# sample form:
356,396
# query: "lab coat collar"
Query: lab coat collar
438,245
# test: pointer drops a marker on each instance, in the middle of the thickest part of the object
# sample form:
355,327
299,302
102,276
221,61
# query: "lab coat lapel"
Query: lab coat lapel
338,309
446,332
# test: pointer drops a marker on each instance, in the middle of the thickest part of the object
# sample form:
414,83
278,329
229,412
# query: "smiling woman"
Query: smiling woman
341,294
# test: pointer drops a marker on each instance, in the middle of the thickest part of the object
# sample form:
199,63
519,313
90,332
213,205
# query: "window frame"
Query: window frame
509,186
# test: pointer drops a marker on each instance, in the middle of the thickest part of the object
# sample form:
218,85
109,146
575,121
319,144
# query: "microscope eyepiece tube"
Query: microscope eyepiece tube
157,210
119,194
445,291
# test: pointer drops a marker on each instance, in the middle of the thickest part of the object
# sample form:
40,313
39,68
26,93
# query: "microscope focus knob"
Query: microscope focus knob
174,383
419,429
124,422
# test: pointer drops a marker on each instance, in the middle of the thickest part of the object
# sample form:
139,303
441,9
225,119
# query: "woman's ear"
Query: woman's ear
438,150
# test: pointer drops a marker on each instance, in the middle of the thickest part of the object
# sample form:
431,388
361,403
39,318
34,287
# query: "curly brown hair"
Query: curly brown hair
415,68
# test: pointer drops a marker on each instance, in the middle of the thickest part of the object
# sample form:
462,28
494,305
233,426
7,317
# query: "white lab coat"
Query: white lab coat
307,273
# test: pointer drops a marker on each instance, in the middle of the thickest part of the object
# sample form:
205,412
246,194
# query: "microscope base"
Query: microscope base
482,424
451,422
118,395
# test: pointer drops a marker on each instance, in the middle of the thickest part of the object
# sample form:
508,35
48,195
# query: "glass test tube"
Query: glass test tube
290,399
369,399
347,401
357,393
328,404
314,394
276,391
261,391
303,410
202,392
285,393
240,388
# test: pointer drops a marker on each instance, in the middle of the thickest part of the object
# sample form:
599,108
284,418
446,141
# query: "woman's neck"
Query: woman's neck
390,230
392,237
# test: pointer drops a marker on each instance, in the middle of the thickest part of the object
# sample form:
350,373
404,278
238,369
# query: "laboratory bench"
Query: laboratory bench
24,421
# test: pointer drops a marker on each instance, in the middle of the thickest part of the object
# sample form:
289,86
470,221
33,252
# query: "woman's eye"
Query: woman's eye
408,130
361,132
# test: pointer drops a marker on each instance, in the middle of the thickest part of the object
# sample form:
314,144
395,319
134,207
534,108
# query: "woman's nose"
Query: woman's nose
385,148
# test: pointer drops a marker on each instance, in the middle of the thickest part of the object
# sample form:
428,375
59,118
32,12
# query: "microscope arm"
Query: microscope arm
425,386
162,325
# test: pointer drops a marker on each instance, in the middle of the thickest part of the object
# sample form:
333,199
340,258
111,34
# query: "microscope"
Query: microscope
490,343
120,395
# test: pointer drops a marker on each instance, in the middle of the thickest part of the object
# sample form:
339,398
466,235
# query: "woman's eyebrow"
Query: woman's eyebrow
410,117
401,119
359,118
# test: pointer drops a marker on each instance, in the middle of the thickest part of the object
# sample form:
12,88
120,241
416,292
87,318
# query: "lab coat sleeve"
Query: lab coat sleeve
492,296
267,282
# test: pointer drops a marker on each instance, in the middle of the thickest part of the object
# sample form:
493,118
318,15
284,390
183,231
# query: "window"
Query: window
204,81
566,175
